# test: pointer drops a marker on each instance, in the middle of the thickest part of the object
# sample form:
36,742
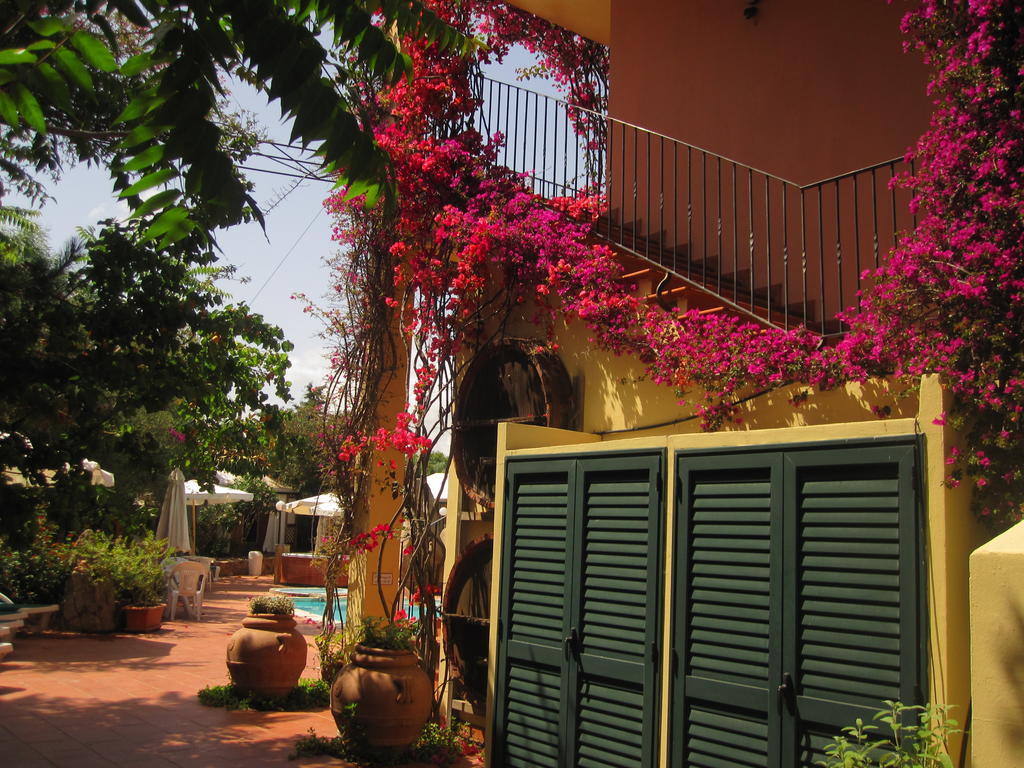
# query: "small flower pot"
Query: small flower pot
267,655
143,618
391,692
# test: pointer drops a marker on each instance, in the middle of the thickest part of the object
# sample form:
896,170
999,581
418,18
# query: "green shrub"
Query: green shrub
913,737
135,568
308,694
279,605
334,650
38,572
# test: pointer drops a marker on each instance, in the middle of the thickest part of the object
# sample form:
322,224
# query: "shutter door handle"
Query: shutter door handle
572,643
787,692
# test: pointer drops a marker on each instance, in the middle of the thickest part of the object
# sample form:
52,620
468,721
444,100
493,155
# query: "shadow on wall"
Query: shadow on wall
869,401
1013,670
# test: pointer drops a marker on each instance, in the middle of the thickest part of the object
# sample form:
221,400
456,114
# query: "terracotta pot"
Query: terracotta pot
391,692
143,618
267,655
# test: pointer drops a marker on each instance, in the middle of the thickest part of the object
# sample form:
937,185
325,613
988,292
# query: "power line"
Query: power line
287,254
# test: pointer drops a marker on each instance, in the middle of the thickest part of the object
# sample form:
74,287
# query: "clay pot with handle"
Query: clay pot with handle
267,655
392,694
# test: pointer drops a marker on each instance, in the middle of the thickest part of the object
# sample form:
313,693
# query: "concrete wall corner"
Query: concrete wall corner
997,650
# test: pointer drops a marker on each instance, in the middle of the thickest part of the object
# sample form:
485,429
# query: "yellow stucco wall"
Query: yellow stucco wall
951,532
364,594
997,658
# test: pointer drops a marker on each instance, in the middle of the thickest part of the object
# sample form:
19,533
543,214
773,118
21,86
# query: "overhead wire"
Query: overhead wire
286,255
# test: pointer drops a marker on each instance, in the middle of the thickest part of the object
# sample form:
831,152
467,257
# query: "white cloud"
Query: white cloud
112,209
309,366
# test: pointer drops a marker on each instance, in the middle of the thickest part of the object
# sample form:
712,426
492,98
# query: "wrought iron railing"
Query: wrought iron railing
785,253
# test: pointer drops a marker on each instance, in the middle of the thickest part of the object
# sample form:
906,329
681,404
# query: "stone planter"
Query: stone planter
392,694
143,618
267,655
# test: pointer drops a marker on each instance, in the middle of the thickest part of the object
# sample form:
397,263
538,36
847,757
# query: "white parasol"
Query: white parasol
173,524
221,494
323,505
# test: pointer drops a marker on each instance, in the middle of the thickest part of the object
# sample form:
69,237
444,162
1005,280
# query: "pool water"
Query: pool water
309,601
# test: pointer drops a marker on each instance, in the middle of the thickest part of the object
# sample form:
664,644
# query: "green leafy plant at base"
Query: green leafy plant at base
334,651
908,744
397,635
308,694
278,605
436,745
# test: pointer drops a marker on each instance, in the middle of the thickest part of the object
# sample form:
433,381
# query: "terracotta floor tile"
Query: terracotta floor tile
131,700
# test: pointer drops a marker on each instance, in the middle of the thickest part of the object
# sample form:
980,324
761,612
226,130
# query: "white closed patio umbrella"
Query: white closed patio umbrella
195,496
173,523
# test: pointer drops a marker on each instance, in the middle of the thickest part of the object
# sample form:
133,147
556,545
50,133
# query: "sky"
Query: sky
289,258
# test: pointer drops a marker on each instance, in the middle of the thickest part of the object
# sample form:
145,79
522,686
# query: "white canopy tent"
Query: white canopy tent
322,505
195,496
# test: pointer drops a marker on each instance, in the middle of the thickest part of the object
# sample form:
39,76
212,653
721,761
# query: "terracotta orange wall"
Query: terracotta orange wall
808,90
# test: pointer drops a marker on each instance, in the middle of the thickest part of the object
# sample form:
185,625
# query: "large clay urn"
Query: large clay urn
267,655
391,692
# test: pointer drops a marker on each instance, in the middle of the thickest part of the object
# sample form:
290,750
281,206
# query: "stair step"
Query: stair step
733,285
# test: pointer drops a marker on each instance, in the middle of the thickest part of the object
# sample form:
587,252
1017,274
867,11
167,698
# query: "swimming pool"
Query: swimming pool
309,601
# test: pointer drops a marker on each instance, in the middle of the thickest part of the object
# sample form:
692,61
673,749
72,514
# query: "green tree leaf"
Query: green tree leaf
47,26
156,202
8,110
144,159
70,64
94,51
171,221
137,64
17,56
154,179
29,108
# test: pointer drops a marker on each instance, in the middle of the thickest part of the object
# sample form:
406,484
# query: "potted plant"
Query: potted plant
139,581
129,573
267,655
391,693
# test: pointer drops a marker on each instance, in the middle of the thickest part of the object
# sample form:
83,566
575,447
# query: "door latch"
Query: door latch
572,643
787,692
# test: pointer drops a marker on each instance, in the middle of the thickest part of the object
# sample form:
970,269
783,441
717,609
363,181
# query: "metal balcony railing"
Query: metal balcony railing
790,255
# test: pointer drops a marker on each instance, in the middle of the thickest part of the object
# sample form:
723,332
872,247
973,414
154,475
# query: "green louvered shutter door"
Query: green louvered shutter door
616,607
727,609
854,588
532,686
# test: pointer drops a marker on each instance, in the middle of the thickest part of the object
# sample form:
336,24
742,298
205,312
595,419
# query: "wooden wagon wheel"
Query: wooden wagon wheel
514,380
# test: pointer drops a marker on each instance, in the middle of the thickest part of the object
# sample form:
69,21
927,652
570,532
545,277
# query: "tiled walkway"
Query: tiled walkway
130,700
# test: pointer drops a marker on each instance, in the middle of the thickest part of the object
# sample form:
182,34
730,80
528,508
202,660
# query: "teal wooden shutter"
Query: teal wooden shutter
727,592
799,601
617,604
580,617
535,558
855,587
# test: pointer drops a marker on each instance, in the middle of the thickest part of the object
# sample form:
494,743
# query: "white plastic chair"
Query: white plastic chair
187,582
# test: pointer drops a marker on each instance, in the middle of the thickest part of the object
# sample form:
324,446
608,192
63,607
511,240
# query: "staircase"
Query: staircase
722,235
